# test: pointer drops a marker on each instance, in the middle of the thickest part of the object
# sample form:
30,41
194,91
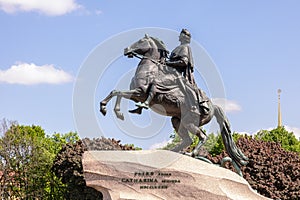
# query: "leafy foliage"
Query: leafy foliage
131,146
214,144
26,155
175,140
287,139
68,167
272,171
24,160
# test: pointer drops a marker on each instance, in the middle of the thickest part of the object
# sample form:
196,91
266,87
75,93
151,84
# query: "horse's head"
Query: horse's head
142,47
147,46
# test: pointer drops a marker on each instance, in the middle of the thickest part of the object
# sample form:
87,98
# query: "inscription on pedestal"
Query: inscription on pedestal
151,180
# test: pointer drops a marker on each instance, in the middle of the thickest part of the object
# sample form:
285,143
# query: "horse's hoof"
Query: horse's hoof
103,110
193,154
189,154
120,116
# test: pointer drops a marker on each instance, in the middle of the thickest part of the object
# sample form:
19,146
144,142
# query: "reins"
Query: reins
146,57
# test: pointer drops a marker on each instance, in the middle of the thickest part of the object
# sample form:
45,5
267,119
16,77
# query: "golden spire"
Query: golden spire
279,111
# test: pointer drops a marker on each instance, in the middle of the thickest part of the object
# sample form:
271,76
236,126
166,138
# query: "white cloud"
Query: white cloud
31,74
47,7
227,105
295,130
160,144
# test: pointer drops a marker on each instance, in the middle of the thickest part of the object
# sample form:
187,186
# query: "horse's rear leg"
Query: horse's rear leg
183,134
202,139
199,133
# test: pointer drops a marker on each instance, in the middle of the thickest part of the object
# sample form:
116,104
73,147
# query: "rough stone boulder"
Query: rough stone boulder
159,174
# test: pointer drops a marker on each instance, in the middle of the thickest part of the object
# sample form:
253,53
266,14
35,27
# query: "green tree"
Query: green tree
131,146
287,139
55,189
27,155
175,140
236,136
24,162
214,144
57,140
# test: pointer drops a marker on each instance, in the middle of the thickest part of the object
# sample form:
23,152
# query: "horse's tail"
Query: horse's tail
233,151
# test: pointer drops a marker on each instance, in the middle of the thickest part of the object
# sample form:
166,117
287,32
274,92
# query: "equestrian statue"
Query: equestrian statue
169,82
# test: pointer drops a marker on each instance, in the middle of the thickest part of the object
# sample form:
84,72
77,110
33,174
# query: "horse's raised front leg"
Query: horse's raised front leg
117,109
104,102
126,94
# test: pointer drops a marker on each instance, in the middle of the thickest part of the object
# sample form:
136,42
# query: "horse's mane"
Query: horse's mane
161,46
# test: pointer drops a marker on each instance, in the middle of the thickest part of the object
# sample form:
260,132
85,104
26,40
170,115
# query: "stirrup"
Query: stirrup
142,105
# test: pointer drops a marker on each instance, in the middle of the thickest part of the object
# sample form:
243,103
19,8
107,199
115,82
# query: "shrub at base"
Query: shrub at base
272,171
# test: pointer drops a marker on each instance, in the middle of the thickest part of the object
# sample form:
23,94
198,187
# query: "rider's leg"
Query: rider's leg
203,103
190,96
151,94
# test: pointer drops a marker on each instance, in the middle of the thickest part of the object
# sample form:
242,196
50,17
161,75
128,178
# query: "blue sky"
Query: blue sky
254,46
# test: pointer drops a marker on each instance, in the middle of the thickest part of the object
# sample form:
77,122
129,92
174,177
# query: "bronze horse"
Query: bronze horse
171,98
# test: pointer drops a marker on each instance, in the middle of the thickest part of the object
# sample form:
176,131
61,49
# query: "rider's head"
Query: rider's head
185,36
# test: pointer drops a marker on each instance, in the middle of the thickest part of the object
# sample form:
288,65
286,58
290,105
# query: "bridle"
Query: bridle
145,57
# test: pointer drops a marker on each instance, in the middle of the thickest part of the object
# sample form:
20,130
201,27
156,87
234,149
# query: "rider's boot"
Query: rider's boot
136,111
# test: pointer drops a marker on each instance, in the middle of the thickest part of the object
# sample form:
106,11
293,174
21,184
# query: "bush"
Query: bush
272,171
287,139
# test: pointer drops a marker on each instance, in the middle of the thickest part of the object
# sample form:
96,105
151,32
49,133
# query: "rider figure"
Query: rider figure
181,59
